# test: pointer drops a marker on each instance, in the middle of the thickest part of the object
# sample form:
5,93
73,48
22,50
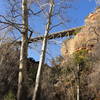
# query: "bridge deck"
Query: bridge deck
56,35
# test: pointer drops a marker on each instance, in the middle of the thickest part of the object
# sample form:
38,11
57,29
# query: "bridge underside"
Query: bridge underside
55,35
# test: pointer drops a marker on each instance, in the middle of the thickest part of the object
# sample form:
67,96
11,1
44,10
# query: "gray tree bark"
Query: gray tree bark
24,48
43,52
78,82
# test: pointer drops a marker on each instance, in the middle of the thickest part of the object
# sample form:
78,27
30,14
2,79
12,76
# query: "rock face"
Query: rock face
88,38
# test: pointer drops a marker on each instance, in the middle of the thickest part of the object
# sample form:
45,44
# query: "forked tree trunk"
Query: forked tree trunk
43,52
24,48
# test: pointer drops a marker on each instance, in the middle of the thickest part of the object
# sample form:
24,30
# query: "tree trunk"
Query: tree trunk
24,49
78,82
43,52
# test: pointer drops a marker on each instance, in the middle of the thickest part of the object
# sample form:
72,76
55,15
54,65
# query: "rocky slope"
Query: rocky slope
88,38
85,49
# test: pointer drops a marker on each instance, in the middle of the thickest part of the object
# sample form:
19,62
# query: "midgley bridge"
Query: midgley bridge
55,35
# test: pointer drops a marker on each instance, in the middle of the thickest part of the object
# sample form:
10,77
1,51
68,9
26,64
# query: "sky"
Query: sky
80,9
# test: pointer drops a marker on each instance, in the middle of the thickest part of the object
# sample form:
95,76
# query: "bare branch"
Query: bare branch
35,13
2,28
56,25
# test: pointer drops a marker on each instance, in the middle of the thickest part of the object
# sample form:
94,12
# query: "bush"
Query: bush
9,96
80,57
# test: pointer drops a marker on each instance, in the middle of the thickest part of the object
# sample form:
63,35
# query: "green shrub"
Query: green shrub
80,57
9,96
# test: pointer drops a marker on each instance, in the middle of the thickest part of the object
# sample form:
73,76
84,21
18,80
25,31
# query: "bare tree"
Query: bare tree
13,22
43,51
24,48
49,26
56,9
